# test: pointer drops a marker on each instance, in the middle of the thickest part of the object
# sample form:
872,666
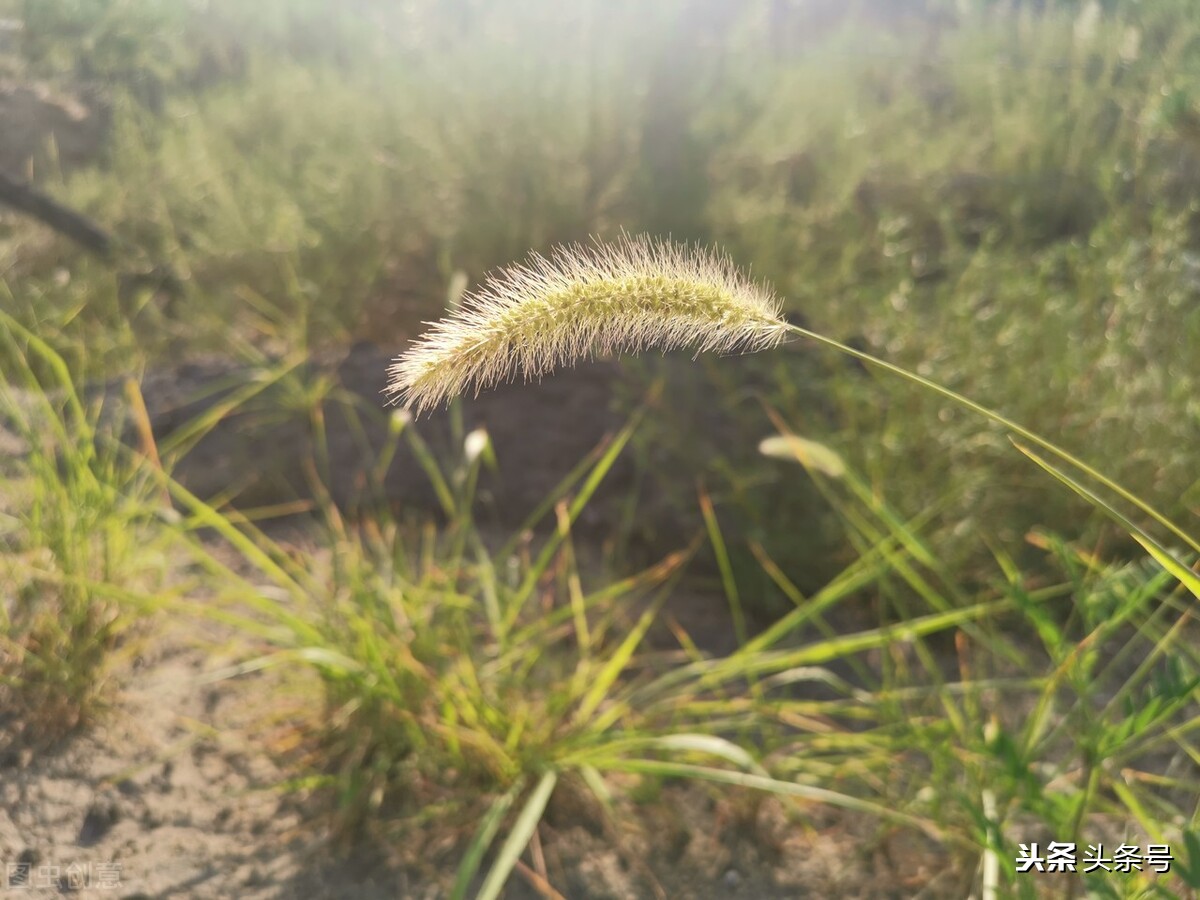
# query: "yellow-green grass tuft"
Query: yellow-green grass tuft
635,294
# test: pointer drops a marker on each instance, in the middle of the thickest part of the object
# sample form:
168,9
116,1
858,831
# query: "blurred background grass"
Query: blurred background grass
1003,198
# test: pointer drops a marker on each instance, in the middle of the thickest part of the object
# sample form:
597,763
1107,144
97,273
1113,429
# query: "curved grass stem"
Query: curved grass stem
1006,422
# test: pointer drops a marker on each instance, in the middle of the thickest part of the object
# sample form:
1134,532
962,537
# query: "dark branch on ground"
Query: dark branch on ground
30,200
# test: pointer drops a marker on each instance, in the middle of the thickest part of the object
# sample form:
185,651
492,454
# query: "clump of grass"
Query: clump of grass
1069,713
77,550
468,683
465,683
625,296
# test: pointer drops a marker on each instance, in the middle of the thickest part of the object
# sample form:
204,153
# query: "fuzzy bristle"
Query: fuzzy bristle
631,295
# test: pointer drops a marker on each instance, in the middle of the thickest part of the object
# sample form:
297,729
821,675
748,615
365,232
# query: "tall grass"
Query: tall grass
82,557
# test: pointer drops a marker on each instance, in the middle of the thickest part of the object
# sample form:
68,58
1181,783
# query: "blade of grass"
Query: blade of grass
599,471
518,838
728,582
1160,553
483,838
786,789
1006,422
1186,576
180,441
616,663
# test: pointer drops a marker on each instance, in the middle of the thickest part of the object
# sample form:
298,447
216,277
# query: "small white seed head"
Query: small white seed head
475,443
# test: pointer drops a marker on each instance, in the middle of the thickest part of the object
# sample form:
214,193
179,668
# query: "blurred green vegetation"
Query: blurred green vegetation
1003,198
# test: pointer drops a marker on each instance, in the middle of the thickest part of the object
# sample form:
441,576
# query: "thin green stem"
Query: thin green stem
1008,423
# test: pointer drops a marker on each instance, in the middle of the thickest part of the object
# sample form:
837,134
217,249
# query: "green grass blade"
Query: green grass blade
616,664
483,838
1006,422
728,582
708,744
551,499
433,471
1152,546
518,838
180,441
1188,578
786,789
599,471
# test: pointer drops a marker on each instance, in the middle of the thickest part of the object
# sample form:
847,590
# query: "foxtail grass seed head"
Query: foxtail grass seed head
582,301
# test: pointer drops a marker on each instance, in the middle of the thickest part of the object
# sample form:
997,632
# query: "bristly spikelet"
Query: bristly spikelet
623,297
